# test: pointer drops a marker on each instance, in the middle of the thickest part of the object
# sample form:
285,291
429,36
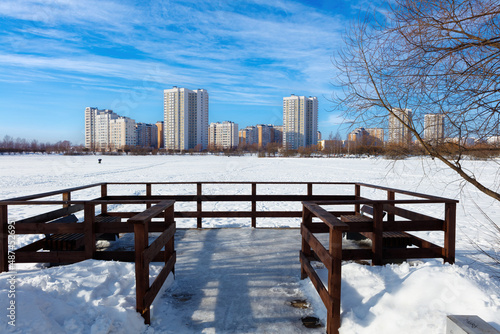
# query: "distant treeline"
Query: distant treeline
10,145
335,148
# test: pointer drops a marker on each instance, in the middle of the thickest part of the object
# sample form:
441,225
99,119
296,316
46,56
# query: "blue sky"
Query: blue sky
58,57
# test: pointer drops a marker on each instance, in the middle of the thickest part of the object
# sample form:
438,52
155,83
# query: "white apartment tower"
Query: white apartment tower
300,121
434,128
398,133
97,129
185,118
122,133
223,135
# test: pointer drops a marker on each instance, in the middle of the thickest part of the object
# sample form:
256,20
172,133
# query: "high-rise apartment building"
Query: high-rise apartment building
223,135
434,128
278,134
97,128
185,118
265,135
147,135
122,133
398,133
300,121
249,135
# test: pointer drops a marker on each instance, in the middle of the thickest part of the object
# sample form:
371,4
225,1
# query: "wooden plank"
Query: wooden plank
377,234
48,216
50,193
329,219
151,293
316,281
150,213
254,205
410,193
357,194
391,196
104,193
415,225
199,205
364,225
4,238
33,247
160,242
141,271
334,281
407,213
357,254
66,196
305,247
51,257
132,199
124,227
412,253
450,232
317,247
89,230
44,228
319,228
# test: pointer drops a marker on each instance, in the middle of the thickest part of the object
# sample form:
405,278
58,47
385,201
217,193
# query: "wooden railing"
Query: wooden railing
145,253
314,250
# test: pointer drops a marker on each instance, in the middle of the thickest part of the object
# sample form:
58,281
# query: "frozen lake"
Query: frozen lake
98,297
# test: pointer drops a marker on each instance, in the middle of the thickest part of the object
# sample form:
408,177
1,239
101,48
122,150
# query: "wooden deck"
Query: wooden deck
320,214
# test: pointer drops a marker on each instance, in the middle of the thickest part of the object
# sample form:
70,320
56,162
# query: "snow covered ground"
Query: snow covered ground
99,297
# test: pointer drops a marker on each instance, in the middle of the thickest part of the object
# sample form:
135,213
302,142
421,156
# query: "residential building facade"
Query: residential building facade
147,135
248,136
122,133
300,121
399,134
185,118
97,128
434,128
223,135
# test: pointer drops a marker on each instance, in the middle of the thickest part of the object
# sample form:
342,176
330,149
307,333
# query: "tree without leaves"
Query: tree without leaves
434,57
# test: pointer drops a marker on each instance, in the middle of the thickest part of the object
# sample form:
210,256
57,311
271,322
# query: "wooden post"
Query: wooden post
391,196
4,239
148,194
334,281
357,194
309,191
170,246
306,248
89,230
66,197
104,193
199,206
254,205
450,232
141,270
378,230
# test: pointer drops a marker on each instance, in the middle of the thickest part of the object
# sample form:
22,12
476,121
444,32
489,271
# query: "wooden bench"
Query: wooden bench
74,241
389,239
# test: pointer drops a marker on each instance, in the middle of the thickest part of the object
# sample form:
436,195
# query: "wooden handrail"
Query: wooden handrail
325,216
150,213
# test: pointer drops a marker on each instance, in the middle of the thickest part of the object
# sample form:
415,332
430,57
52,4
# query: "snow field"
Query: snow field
99,297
